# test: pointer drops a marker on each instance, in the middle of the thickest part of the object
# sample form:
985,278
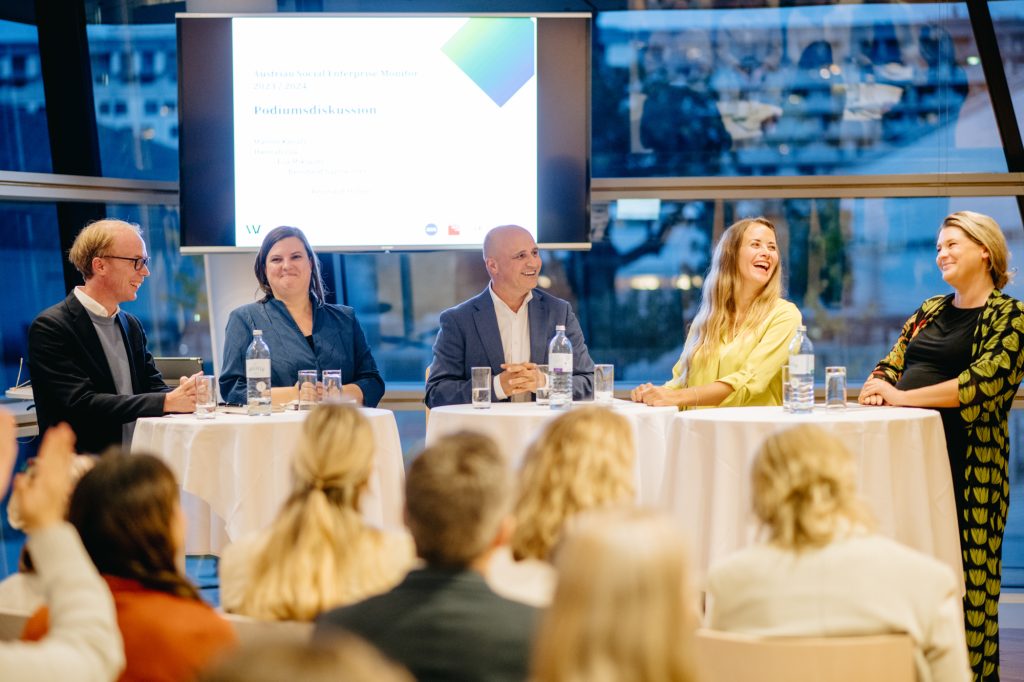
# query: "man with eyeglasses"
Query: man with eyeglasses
88,358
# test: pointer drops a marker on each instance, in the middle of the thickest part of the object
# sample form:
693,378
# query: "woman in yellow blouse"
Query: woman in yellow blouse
739,340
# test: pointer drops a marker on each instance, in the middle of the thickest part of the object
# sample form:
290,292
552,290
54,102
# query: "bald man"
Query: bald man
507,327
88,359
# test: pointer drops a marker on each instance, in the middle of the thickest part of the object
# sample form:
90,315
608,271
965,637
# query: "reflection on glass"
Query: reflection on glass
24,139
135,88
821,89
172,303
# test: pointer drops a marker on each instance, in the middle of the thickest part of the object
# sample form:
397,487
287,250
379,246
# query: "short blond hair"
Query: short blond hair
804,487
457,493
583,460
986,233
624,608
94,241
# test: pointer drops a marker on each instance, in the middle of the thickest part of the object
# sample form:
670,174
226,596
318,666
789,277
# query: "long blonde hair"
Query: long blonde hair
805,489
624,608
716,317
319,553
582,460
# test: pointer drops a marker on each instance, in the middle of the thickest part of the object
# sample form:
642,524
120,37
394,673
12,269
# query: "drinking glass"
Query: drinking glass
543,392
206,396
481,387
307,389
604,384
835,388
332,386
787,390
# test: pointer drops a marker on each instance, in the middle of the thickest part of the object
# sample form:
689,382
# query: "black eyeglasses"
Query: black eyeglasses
138,263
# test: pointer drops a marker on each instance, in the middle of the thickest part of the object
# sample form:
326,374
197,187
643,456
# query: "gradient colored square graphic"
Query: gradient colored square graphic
497,54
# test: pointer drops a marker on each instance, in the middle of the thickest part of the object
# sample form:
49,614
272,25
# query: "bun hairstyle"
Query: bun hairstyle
804,488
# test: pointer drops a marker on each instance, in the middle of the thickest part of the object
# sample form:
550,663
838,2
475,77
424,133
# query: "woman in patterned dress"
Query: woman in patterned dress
961,353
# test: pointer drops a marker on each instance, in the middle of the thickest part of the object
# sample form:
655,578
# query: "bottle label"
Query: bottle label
257,368
801,364
560,362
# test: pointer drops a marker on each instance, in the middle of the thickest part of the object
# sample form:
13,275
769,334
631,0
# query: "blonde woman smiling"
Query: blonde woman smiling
739,339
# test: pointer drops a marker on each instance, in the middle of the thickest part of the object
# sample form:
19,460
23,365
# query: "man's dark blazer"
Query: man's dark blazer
72,381
443,625
469,337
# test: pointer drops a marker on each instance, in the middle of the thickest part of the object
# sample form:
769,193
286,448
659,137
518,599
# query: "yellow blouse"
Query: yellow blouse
750,363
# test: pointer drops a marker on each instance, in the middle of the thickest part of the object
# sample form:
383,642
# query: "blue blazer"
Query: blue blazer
469,337
338,341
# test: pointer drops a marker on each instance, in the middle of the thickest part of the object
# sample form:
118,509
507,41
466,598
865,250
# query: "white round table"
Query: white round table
235,470
515,425
903,474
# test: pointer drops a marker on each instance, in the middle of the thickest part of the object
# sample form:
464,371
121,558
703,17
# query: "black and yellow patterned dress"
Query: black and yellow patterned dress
977,437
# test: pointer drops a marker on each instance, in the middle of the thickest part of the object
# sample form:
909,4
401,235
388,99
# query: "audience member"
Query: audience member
127,512
342,659
319,553
624,608
583,460
83,644
822,573
88,358
443,622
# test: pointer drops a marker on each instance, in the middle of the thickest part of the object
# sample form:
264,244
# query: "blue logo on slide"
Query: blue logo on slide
497,54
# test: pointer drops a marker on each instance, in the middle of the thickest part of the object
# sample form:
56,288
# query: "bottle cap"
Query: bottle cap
257,332
559,327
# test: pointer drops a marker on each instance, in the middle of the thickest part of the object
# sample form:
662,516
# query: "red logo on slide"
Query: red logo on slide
453,230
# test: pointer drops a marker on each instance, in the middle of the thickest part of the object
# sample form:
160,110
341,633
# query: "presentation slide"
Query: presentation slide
416,131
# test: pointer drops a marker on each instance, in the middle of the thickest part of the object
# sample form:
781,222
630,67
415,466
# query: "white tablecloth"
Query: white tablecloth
235,470
903,473
515,425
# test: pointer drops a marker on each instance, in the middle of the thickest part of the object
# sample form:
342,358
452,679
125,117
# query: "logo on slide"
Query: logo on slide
253,229
497,54
453,231
430,229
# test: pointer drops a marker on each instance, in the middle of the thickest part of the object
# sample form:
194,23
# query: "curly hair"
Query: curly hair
804,488
582,460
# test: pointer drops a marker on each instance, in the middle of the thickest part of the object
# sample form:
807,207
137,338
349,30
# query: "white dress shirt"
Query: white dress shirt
514,329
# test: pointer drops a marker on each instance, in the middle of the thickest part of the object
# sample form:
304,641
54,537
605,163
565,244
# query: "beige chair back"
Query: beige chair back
11,624
726,657
251,630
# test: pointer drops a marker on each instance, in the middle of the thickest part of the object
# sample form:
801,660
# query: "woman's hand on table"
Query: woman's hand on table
659,396
879,392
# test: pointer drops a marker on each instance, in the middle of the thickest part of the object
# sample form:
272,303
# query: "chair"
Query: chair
250,630
172,369
11,624
727,657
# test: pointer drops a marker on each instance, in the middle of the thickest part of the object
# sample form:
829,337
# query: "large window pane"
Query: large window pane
1008,20
135,87
31,260
856,267
24,140
823,89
